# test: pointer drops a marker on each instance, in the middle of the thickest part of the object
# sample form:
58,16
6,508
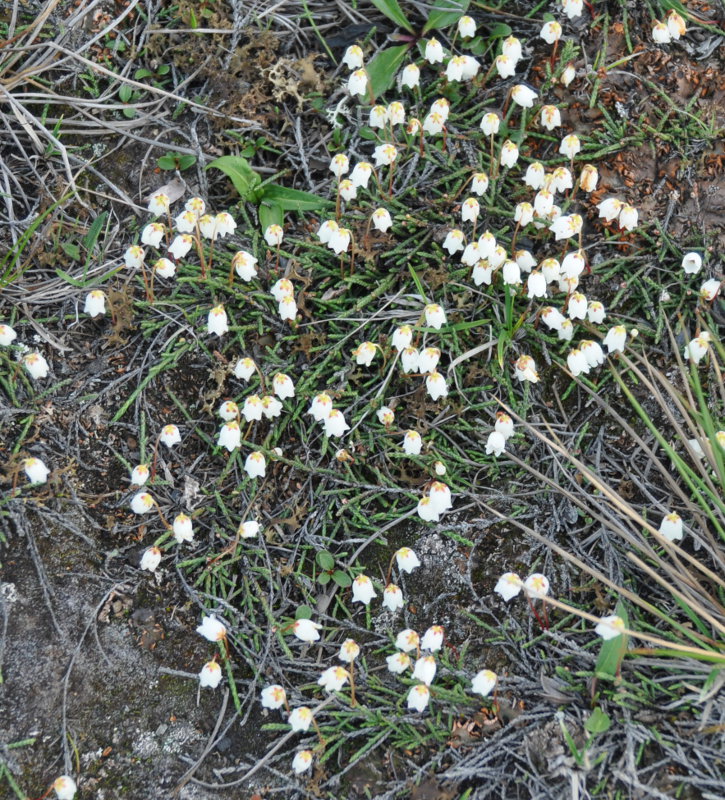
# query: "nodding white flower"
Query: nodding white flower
419,697
435,316
568,74
406,559
525,369
95,303
349,651
413,127
230,436
566,331
300,719
327,230
536,285
511,273
335,424
252,408
217,321
334,678
180,246
505,66
142,503
551,31
64,787
412,443
504,424
543,202
495,444
523,96
139,475
365,353
302,761
472,254
573,264
321,407
433,51
152,234
150,559
402,337
245,265
432,639
566,226
282,288
484,682
306,630
410,76
244,369
552,318
165,268
36,470
470,209
425,669
610,208
340,239
409,359
159,203
588,178
466,27
720,437
386,416
134,256
675,24
577,308
661,33
283,386
692,263
358,82
615,339
592,352
525,260
550,117
398,663
436,386
378,117
610,627
347,192
433,123
509,154
427,511
710,289
570,145
696,349
170,435
628,217
7,335
440,496
454,69
595,312
183,528
482,273
490,123
381,219
225,224
185,223
407,640
561,179
577,362
271,407
572,8
287,308
353,58
273,235
551,269
360,175
524,213
255,465
385,154
479,183
508,585
363,590
534,176
210,675
249,529
195,206
208,227
393,599
273,697
671,526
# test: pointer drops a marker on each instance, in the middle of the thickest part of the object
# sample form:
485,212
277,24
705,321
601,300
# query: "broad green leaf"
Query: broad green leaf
613,651
323,578
240,172
325,560
445,13
293,199
500,31
342,579
393,11
303,612
69,278
90,239
384,67
270,215
72,250
598,722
